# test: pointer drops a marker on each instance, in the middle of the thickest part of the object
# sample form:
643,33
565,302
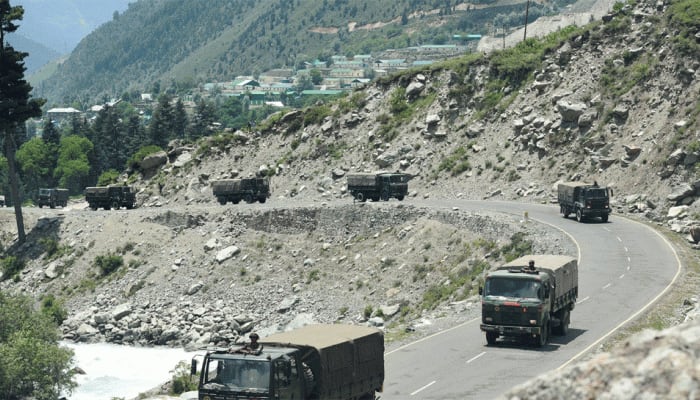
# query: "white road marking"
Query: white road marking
622,276
583,299
475,357
607,286
423,388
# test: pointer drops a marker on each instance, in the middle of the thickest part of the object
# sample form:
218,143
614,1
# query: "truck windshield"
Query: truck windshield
518,288
245,374
596,193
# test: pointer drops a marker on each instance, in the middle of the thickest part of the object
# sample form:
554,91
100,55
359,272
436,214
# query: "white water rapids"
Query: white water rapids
122,371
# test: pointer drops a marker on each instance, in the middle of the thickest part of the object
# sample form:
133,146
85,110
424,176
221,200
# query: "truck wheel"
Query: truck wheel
41,205
400,197
564,211
360,197
604,218
491,338
579,215
93,208
541,339
248,199
52,206
564,327
385,194
262,200
106,207
222,201
236,201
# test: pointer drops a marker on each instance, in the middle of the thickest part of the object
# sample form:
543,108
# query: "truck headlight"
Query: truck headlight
533,322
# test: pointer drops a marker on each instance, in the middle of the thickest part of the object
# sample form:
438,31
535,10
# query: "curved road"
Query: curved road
624,266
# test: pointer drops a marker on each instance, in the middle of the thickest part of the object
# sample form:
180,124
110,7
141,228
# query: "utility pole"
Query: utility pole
527,9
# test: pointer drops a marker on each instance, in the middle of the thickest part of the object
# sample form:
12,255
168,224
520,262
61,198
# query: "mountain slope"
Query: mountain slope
39,55
165,41
61,24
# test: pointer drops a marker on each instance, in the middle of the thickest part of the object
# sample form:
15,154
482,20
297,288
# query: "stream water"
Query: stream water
122,371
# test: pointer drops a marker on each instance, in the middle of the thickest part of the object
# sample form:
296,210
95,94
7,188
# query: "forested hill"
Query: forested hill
184,43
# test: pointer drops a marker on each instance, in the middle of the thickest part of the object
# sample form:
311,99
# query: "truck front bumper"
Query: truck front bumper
587,212
511,330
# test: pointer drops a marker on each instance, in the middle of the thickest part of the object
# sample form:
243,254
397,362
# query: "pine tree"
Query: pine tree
161,128
16,106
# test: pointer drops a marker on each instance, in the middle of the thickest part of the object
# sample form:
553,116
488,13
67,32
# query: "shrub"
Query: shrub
182,380
50,246
11,266
53,308
108,177
109,263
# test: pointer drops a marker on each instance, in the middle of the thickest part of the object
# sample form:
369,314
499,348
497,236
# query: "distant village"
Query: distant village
273,87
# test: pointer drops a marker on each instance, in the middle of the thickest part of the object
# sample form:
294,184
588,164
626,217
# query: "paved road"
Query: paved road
624,266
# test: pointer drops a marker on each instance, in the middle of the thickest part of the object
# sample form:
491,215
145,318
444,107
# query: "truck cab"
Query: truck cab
276,374
515,303
531,296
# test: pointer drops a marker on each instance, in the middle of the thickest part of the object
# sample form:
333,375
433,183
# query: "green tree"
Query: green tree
304,83
16,106
203,118
73,165
32,364
316,77
36,161
162,127
51,134
180,121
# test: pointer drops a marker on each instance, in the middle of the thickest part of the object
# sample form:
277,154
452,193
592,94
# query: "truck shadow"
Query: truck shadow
554,343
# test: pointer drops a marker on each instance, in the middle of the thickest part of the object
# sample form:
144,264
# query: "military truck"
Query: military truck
585,200
246,189
378,186
529,297
53,197
113,196
313,362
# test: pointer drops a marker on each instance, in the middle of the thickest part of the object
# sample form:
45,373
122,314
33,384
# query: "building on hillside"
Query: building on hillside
316,92
246,85
61,115
276,75
349,64
391,64
346,73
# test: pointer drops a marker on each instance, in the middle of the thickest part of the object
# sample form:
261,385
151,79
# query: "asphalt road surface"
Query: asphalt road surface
624,266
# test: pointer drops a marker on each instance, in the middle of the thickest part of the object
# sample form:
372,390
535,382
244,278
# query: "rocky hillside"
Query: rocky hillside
614,101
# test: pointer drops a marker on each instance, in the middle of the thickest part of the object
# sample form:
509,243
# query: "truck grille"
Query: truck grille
509,315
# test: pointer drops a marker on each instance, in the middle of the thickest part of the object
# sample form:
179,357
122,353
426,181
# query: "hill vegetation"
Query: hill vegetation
160,44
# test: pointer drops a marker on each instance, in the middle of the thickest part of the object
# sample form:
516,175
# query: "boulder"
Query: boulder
154,160
570,112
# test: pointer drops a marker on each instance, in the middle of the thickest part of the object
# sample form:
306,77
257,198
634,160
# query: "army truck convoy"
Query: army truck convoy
247,189
110,197
53,197
378,186
529,297
585,200
341,362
